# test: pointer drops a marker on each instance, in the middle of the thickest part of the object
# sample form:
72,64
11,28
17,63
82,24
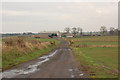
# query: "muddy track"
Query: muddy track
59,63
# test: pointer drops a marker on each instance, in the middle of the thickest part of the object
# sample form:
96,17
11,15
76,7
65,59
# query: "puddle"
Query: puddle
30,69
75,72
81,74
72,76
48,56
0,75
69,49
70,70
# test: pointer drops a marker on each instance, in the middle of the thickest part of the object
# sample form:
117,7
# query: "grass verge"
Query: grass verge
32,55
98,62
16,50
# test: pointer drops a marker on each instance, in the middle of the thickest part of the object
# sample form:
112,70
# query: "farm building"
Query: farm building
47,34
68,35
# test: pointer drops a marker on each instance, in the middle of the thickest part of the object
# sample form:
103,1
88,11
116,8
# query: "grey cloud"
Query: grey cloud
19,17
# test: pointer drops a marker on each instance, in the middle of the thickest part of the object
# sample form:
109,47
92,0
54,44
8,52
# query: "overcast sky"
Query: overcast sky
55,16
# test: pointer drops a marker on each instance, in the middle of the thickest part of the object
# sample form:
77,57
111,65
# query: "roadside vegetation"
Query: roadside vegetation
98,55
16,50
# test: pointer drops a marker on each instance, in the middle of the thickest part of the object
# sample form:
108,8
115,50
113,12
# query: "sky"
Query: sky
55,16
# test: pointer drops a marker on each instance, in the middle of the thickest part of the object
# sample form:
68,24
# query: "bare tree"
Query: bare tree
67,29
103,30
74,31
79,30
111,30
116,31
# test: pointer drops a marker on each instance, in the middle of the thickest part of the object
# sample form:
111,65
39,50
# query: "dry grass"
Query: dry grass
16,50
82,46
100,41
21,44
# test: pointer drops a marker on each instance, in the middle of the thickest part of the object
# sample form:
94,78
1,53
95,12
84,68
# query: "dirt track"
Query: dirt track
59,63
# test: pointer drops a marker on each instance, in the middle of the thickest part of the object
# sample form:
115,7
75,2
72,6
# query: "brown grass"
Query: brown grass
21,44
82,46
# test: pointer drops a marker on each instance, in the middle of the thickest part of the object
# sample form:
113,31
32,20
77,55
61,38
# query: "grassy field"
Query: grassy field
97,43
96,38
16,50
99,62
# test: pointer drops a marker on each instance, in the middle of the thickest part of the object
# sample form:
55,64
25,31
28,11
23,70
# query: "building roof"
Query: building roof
49,32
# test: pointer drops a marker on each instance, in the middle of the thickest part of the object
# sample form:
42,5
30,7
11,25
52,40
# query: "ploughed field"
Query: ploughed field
16,50
98,55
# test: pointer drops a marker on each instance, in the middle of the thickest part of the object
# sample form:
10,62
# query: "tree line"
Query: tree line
103,31
111,31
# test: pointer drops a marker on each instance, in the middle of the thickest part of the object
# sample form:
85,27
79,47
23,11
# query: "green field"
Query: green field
17,58
97,43
15,54
96,38
99,62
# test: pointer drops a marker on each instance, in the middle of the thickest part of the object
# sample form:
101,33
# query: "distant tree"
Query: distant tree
29,33
91,33
111,31
24,33
116,31
79,30
74,31
67,29
103,30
